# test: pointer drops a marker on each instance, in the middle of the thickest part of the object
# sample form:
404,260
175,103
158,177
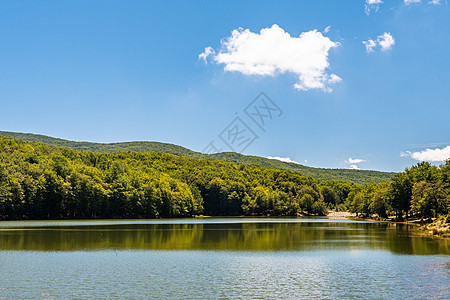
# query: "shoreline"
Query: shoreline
340,214
437,229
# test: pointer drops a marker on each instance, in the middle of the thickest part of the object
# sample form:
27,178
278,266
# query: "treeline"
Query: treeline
39,181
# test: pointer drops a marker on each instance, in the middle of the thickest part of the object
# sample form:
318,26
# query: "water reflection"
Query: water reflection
285,235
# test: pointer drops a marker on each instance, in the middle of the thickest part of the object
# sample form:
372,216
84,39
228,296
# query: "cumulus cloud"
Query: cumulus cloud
385,41
429,154
412,1
327,29
353,167
283,159
273,51
354,160
435,2
372,5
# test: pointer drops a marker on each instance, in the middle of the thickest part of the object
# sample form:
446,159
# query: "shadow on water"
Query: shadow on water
240,236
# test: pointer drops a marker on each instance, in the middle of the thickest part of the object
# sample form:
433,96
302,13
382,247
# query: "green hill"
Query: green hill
355,176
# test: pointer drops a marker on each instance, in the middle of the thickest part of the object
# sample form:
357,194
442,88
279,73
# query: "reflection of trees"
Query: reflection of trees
303,236
402,241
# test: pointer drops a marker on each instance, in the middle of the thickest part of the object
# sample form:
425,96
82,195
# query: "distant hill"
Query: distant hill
355,176
100,147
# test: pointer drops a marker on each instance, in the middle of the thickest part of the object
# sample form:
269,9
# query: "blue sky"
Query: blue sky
108,71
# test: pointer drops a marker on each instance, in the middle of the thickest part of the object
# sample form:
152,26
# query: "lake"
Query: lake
220,258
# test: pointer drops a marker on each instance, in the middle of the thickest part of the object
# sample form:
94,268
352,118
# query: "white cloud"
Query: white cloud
273,51
334,79
429,154
433,2
385,41
354,160
372,5
208,51
327,29
370,44
284,159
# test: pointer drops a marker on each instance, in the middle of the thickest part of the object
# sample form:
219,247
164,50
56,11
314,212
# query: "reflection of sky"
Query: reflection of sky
223,275
6,224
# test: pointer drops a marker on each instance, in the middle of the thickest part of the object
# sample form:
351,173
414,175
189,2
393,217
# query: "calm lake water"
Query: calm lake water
211,258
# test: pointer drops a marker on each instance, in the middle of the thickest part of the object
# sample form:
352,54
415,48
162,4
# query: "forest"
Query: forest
39,181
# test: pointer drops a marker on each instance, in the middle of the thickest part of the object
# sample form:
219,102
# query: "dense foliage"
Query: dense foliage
422,191
355,176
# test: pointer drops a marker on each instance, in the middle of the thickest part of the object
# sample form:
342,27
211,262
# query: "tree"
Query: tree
319,208
330,196
52,195
379,202
429,199
400,193
306,203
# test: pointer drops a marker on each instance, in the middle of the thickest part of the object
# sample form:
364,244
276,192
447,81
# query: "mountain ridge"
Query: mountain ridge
355,176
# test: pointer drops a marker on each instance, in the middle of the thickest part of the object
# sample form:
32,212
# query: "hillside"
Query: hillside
354,176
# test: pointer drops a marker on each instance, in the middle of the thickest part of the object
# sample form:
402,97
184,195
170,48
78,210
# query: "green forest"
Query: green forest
40,181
